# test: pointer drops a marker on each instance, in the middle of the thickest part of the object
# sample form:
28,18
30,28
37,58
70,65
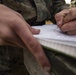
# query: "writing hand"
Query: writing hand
68,23
59,17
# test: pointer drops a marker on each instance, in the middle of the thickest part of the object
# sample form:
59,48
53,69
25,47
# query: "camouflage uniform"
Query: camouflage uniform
73,3
34,12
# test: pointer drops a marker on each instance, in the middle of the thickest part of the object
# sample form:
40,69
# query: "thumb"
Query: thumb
34,31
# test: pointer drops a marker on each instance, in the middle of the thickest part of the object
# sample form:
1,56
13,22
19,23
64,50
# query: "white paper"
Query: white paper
54,33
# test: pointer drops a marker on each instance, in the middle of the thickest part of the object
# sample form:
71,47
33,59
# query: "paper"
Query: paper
53,33
52,37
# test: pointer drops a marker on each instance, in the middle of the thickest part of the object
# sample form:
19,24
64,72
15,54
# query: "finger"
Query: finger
70,26
71,32
34,31
71,15
24,33
60,16
59,19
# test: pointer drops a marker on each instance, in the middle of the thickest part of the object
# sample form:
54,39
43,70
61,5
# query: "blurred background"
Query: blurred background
68,1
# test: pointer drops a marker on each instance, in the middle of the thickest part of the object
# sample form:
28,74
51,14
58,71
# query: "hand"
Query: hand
59,17
69,22
15,31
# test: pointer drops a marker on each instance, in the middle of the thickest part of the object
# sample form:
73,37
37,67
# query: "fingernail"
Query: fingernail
47,68
37,30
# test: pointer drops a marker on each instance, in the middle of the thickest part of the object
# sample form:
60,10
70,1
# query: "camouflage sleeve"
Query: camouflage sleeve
33,11
58,5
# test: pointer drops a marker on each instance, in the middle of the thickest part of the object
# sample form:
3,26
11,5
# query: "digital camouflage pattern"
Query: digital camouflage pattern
33,11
